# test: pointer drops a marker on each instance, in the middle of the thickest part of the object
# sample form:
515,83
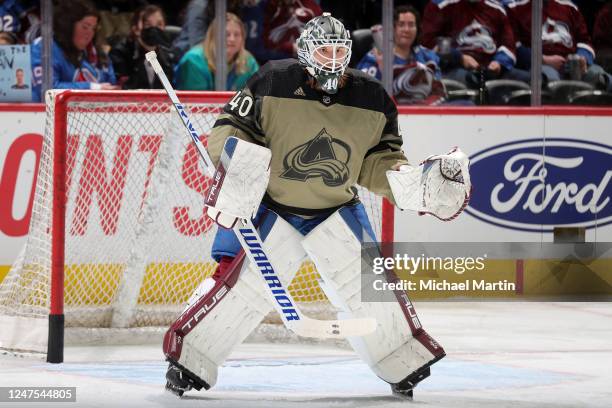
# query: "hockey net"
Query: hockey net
135,241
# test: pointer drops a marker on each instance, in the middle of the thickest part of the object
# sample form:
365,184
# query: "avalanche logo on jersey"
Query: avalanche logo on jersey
556,32
323,156
413,81
476,37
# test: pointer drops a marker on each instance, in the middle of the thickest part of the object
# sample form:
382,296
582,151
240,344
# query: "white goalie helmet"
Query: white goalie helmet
324,49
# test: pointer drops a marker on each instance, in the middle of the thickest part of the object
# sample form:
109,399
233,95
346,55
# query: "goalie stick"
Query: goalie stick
253,246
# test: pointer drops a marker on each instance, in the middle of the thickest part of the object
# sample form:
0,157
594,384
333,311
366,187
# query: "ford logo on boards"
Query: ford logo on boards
535,184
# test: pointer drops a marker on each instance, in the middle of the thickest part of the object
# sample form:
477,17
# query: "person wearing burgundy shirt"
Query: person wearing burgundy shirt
284,21
480,33
564,32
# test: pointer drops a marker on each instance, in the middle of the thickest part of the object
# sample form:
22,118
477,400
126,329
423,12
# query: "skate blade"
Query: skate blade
175,390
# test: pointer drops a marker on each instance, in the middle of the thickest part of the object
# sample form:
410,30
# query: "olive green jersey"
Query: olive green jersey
322,145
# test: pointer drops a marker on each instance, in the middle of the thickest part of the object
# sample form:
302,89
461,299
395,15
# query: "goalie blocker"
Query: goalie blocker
239,183
399,351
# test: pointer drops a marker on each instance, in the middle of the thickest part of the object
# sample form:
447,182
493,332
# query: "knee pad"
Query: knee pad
399,347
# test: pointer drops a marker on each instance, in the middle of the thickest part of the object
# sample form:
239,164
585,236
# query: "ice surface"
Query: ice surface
499,355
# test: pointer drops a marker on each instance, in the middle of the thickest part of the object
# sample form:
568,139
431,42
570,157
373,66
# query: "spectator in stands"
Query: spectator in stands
416,74
481,37
21,18
254,15
196,70
128,56
564,33
284,21
115,20
194,27
77,63
198,16
7,38
602,36
360,14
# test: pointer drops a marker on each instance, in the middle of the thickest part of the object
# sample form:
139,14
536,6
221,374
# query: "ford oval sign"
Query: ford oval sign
537,184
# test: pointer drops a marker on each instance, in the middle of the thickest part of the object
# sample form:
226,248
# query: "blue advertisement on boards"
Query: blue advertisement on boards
536,185
15,73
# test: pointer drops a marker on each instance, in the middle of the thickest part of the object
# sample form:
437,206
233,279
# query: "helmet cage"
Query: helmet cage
326,56
324,49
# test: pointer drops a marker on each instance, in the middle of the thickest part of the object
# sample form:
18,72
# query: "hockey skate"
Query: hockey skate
405,388
178,381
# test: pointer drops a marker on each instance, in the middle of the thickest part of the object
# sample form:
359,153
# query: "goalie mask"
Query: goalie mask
324,49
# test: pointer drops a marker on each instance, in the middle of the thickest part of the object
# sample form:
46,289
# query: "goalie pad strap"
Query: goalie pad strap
398,347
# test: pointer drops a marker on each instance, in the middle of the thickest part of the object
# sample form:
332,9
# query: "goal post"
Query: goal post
118,236
55,340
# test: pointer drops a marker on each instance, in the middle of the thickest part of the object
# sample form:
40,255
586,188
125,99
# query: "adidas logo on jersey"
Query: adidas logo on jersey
299,92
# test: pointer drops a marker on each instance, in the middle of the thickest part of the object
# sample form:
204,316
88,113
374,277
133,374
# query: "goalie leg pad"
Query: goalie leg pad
206,333
398,348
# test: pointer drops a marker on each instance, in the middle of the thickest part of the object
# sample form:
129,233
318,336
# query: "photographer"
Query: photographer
128,55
